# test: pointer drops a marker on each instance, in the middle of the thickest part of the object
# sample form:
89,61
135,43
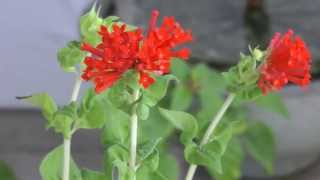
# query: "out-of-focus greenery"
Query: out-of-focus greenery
6,173
201,92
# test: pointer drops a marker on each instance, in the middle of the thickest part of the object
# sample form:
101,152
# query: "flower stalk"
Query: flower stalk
134,134
206,138
67,140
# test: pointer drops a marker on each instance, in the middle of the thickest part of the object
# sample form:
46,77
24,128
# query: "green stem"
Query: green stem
134,134
209,132
67,140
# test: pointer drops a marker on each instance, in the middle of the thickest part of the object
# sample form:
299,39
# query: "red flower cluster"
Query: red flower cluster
121,50
288,60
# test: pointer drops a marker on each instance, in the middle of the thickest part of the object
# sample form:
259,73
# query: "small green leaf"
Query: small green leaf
92,175
117,156
6,173
194,155
260,143
274,103
182,121
63,119
50,167
180,69
231,163
92,112
157,90
168,166
44,102
116,129
146,149
181,98
142,111
70,55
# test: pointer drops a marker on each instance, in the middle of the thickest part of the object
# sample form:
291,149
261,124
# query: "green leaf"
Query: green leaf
194,155
260,143
182,121
89,26
180,69
204,77
117,157
181,98
63,119
51,166
116,129
157,90
70,55
147,148
92,175
274,103
93,114
6,173
44,102
231,163
147,130
168,166
142,111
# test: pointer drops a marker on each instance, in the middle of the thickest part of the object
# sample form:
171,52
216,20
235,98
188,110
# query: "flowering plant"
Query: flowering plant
130,71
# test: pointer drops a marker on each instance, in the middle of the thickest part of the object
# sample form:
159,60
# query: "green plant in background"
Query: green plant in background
6,173
137,110
200,91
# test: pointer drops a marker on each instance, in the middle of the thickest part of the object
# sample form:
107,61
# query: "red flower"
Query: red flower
120,51
158,47
112,57
288,60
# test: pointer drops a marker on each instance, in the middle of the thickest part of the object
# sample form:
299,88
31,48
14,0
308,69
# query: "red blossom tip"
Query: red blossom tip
288,60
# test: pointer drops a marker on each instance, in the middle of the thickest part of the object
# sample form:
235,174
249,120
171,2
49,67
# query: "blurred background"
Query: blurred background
32,31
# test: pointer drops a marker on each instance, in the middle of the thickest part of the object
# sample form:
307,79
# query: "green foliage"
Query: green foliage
274,103
50,168
184,122
116,157
70,55
242,79
153,94
44,102
89,26
92,175
260,143
6,173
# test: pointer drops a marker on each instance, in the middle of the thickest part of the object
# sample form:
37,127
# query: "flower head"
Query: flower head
112,57
288,60
158,47
121,50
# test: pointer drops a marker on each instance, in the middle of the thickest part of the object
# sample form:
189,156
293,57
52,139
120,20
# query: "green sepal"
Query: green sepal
70,55
242,79
50,167
182,121
89,26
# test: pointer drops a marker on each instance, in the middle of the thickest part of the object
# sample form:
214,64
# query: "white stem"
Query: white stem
67,140
210,130
66,158
134,135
